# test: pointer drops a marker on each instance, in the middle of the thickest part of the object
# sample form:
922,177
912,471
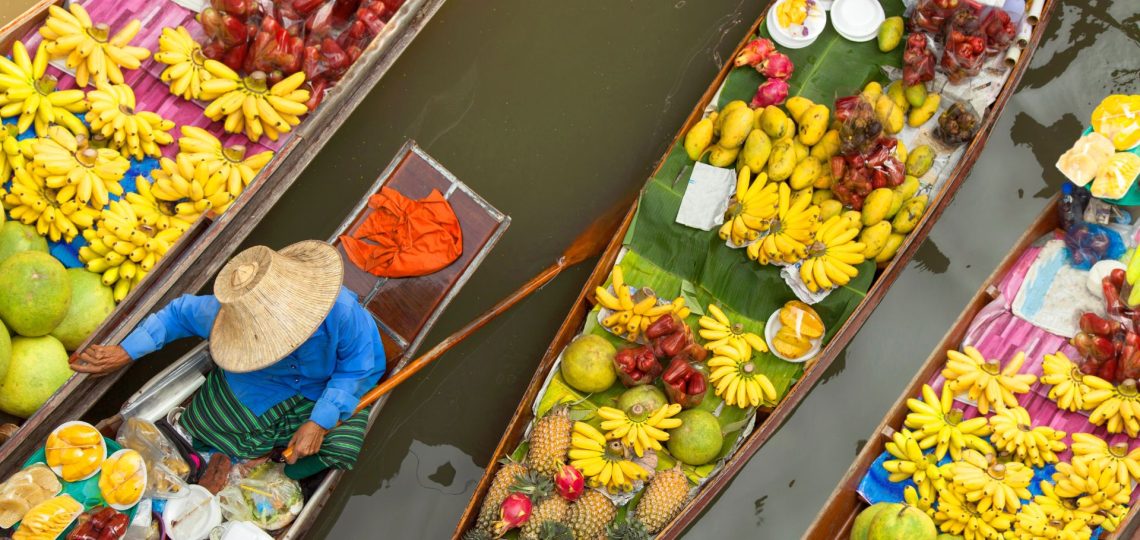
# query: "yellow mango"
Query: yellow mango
897,93
894,242
805,173
872,91
774,122
911,212
903,193
802,151
720,156
789,131
698,138
900,151
829,208
876,206
782,162
827,146
920,161
757,148
821,195
797,105
813,124
824,180
718,122
889,114
737,125
924,113
875,238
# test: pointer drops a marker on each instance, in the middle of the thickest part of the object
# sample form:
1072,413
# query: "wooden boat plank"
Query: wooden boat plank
766,426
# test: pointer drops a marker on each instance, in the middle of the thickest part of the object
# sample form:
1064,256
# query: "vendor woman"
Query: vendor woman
296,352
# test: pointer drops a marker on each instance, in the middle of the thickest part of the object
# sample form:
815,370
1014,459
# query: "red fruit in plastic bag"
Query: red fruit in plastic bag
1130,366
918,61
1108,369
685,384
318,93
223,27
666,324
238,8
674,343
305,7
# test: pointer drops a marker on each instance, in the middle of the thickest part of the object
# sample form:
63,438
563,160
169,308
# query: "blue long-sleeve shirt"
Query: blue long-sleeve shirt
341,361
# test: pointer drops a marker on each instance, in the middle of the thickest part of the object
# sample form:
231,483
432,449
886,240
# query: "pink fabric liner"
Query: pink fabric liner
997,333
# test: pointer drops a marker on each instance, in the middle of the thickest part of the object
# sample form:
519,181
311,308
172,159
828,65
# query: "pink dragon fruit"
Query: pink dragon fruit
776,66
754,52
514,511
772,92
570,483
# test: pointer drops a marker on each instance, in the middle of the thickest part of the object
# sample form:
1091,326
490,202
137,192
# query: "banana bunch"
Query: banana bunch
134,133
1062,509
982,480
1115,407
123,249
89,47
912,498
911,463
186,65
189,185
249,105
28,92
603,462
737,378
152,212
31,202
719,331
1033,523
631,317
753,205
77,171
229,161
11,153
1033,446
1095,489
790,232
940,426
1087,448
985,381
956,515
831,259
644,430
1069,388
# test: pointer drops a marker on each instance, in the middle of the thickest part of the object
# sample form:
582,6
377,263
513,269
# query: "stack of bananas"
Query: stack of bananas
77,171
791,231
911,463
751,208
629,318
1097,491
188,184
186,65
982,480
831,259
153,212
28,92
738,379
134,133
640,430
1014,434
603,463
89,47
1115,407
230,162
31,202
1068,381
1088,448
719,331
123,249
1035,521
957,515
985,381
940,425
11,153
249,105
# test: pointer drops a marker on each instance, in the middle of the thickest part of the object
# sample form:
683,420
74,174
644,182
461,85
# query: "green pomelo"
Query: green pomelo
949,537
864,519
91,303
642,400
697,440
37,369
5,349
906,523
16,237
588,364
34,293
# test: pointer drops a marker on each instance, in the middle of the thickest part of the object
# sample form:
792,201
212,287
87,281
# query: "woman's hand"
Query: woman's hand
101,360
306,441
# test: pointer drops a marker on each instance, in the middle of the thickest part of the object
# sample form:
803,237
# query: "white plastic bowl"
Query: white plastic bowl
774,326
857,20
815,23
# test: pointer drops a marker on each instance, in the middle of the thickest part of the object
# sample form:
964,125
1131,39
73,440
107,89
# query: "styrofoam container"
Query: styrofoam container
857,20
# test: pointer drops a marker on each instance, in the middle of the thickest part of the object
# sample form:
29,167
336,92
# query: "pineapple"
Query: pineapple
666,494
589,515
549,510
477,534
500,487
550,441
554,530
627,530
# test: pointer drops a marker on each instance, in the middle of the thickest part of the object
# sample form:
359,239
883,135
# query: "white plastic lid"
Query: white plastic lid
192,517
857,20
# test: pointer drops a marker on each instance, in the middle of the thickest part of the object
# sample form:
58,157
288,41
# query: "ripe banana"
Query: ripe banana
1095,488
134,133
832,257
153,212
89,47
911,497
631,317
940,425
124,249
719,330
985,381
1015,434
28,92
981,479
190,186
67,164
31,202
1088,448
641,431
186,70
249,105
790,232
11,155
1069,388
1033,523
737,378
751,209
957,515
910,462
1115,407
230,162
1064,510
603,462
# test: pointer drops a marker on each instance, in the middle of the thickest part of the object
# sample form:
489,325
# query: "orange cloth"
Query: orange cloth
403,237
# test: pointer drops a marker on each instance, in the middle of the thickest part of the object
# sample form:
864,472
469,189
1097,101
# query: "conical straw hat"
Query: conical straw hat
272,302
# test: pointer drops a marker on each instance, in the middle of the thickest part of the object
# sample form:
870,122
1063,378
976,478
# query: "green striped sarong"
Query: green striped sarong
216,418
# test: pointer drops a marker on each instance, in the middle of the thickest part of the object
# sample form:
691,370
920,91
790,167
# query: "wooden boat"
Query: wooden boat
213,238
405,309
767,420
845,503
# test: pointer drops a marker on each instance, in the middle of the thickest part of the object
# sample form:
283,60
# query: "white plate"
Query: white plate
125,507
58,469
815,23
857,20
774,326
203,520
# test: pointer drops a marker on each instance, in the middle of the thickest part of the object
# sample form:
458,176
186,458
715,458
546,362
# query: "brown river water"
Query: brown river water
554,110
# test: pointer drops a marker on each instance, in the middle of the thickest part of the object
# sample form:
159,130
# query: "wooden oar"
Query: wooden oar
588,244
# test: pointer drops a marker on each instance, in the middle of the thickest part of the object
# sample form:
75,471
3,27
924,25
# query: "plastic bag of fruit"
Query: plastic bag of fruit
99,523
166,470
265,497
930,16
